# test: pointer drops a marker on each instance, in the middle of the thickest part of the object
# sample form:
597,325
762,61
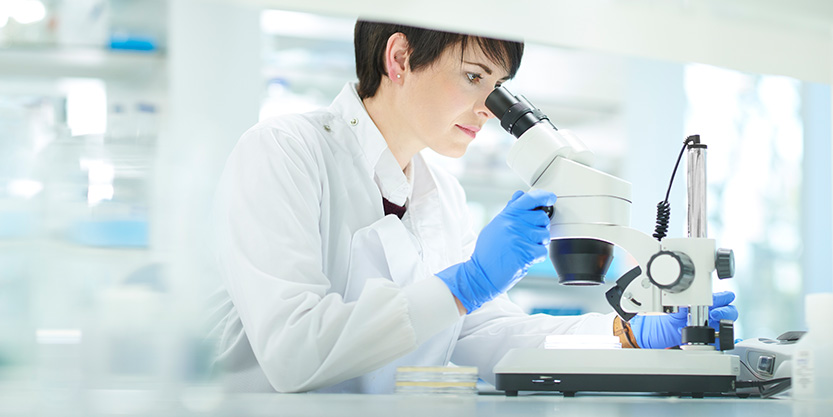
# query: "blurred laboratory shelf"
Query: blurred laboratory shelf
75,249
57,62
65,257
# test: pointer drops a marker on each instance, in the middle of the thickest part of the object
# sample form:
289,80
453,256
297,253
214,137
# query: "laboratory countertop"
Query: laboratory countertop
213,402
348,405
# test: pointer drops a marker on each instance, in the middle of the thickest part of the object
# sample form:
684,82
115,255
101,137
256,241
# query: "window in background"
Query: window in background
756,149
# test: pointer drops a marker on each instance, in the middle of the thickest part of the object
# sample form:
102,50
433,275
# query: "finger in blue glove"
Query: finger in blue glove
514,240
665,330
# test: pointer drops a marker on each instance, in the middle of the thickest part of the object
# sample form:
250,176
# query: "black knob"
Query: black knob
726,334
724,262
697,335
671,271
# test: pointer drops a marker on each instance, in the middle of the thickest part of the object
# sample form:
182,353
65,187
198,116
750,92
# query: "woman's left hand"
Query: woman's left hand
664,331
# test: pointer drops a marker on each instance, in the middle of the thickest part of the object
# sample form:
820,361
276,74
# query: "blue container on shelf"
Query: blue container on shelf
132,43
110,233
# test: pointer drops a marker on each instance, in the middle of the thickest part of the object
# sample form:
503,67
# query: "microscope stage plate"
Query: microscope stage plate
617,370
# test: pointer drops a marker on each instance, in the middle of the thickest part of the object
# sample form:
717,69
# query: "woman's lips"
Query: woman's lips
469,130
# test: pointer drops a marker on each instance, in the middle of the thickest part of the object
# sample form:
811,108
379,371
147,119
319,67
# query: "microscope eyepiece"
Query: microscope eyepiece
499,101
516,113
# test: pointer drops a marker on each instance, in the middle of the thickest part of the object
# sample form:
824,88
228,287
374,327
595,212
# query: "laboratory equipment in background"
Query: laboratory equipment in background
78,134
812,364
766,364
81,22
591,215
109,24
28,123
136,26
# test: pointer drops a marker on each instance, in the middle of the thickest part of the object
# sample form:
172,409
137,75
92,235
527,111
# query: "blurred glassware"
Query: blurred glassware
82,23
452,380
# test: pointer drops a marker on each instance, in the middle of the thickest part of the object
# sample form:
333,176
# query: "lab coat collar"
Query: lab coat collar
392,182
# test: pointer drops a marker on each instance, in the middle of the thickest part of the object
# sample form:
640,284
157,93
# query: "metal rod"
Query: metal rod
696,180
698,316
697,215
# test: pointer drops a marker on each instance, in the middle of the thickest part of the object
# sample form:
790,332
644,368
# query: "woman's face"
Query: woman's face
445,103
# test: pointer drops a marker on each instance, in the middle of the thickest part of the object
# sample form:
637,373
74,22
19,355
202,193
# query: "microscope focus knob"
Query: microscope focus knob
724,262
726,334
671,271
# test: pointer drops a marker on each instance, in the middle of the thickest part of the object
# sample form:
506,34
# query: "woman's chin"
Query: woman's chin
456,152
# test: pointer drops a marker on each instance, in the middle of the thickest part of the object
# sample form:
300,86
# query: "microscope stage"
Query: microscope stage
617,370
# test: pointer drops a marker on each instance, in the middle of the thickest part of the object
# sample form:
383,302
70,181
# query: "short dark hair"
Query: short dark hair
370,40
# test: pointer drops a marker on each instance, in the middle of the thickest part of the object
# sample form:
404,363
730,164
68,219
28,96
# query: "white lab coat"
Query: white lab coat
322,292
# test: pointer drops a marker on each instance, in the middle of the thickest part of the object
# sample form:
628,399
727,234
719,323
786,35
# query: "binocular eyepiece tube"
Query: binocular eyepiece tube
516,113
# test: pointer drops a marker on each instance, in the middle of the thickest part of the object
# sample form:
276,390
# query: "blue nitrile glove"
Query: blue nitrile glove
665,330
515,239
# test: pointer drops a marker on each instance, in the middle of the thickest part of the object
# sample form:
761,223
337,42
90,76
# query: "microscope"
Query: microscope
591,215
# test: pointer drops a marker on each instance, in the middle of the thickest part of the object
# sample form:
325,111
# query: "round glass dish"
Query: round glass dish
436,380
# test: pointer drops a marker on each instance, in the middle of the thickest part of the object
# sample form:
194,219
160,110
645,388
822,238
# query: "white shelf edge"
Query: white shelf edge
80,62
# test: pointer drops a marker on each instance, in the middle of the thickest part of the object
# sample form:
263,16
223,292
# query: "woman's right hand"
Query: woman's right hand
514,240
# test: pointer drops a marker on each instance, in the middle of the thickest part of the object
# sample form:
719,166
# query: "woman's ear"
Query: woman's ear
397,53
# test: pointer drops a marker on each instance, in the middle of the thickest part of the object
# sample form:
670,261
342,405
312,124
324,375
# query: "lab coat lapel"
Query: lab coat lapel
428,219
382,250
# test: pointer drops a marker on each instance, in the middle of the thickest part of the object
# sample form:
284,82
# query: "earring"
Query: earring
398,75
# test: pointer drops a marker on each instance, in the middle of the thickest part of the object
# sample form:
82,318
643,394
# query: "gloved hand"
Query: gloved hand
514,240
664,331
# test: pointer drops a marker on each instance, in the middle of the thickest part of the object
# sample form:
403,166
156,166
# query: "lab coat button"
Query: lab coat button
327,127
353,122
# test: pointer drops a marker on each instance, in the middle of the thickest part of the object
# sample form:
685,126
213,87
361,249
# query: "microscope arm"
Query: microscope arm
635,297
596,205
642,294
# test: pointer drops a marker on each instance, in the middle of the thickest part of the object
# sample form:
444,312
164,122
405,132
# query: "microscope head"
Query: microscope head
557,161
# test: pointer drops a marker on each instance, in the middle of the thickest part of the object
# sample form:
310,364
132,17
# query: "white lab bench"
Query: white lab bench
213,402
350,405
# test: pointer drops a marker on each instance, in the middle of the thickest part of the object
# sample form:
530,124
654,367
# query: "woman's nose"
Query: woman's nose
482,110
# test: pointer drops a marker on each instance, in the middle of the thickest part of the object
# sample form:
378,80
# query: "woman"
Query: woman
344,254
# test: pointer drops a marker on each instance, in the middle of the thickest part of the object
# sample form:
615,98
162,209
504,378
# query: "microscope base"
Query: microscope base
676,372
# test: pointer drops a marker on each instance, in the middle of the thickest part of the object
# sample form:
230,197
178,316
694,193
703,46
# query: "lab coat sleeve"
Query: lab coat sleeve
500,325
304,336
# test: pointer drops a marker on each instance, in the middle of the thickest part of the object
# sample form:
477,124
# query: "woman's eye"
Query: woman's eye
473,77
